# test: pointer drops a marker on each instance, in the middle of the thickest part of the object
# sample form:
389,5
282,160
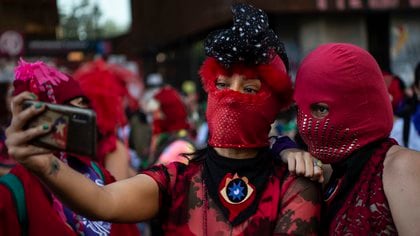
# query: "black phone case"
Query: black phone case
73,129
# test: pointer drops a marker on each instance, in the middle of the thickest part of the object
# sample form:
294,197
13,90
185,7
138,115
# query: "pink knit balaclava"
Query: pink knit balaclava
347,79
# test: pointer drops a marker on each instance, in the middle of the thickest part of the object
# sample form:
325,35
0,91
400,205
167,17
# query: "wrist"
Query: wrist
39,164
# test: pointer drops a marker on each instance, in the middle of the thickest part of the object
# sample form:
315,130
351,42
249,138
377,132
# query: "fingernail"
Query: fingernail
33,96
45,126
38,105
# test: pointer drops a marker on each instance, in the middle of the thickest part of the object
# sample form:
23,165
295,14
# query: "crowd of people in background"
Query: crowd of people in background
140,135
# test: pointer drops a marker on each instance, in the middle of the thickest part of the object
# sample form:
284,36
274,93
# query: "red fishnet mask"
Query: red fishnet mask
238,120
349,81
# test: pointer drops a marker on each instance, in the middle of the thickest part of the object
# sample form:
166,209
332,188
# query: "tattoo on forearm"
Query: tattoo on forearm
55,167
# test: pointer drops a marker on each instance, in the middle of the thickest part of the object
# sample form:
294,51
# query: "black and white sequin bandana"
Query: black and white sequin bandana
249,40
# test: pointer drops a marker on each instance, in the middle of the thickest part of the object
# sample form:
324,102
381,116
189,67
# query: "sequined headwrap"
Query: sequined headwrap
347,79
251,49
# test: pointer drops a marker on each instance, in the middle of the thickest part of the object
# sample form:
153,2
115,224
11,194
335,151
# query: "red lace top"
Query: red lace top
365,210
288,204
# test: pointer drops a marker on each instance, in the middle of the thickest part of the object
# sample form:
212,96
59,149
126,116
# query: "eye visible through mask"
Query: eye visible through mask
319,110
239,83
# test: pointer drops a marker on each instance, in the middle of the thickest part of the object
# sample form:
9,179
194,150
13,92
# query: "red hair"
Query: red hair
273,75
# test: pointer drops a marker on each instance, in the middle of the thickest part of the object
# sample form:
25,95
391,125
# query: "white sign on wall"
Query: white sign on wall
11,43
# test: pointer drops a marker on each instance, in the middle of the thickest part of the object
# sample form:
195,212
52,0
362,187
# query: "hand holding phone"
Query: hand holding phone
73,129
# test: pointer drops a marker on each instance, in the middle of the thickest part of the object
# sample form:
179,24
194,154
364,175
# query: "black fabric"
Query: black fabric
406,113
249,40
349,171
255,169
406,130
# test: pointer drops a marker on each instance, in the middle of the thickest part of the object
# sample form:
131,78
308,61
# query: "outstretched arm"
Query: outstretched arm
401,179
134,199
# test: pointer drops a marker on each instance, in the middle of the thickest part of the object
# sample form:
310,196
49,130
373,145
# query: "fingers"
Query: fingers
20,119
291,164
28,150
17,101
300,164
309,166
17,138
20,138
318,171
303,164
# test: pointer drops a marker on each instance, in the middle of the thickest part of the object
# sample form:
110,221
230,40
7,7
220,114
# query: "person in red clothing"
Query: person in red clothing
170,128
6,162
104,84
345,118
235,186
45,214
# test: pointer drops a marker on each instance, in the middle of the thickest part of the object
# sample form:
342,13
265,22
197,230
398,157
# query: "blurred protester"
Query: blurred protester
139,136
396,90
168,115
190,97
27,207
6,162
202,127
154,82
285,124
107,93
406,129
170,127
235,186
374,184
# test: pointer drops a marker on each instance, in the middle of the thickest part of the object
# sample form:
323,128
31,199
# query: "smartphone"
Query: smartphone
73,129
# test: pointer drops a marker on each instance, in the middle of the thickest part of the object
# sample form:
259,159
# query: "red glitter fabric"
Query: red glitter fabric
347,79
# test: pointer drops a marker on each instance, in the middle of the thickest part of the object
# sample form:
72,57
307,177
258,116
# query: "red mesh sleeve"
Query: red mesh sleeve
300,208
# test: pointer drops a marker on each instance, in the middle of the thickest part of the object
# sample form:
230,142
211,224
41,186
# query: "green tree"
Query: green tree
82,22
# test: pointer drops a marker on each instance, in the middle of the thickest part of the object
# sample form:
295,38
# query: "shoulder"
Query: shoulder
167,175
302,184
399,159
401,164
292,184
300,191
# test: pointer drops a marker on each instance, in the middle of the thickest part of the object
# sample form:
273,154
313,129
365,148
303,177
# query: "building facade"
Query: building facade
168,35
